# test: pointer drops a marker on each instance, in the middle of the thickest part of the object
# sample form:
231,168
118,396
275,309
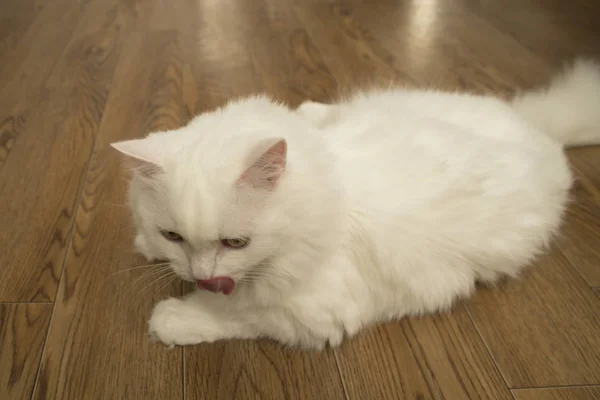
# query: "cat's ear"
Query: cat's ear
147,155
145,150
269,162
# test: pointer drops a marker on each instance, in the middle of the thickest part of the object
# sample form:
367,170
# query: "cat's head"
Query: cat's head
243,194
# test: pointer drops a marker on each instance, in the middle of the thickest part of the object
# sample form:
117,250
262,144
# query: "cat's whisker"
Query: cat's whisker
159,265
173,279
148,275
152,282
140,295
145,274
155,264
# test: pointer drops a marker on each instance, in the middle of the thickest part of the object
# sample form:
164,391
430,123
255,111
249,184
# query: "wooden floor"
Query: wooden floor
76,75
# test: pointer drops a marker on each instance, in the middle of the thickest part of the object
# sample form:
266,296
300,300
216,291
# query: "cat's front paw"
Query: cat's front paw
171,324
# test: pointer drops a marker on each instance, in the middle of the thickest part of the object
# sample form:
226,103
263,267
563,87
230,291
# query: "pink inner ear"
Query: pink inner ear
265,172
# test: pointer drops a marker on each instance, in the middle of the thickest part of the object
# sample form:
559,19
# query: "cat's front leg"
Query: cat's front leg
187,321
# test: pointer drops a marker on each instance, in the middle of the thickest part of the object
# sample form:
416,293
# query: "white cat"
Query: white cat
311,224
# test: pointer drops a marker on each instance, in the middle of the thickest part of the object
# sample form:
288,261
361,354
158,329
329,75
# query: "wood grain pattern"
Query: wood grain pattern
33,57
347,47
580,235
288,66
93,306
22,332
31,44
53,164
271,53
222,65
542,329
576,393
561,30
15,19
586,164
430,358
185,19
10,129
435,46
260,370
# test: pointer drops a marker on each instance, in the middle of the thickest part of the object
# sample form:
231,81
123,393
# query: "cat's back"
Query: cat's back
445,162
387,116
433,179
420,138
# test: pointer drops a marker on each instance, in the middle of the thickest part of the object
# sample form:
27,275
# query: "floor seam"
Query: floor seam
591,385
487,348
339,369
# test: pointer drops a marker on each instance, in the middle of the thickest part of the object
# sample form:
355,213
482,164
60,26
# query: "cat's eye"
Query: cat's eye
237,243
172,236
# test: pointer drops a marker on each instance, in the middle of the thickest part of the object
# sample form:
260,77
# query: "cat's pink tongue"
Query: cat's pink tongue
222,284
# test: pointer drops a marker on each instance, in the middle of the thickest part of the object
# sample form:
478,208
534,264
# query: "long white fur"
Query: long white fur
392,203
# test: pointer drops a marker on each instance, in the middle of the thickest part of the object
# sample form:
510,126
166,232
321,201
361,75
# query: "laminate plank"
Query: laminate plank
98,341
586,163
287,63
26,64
10,128
433,357
261,47
542,329
15,19
436,46
553,30
22,335
579,238
260,370
184,17
348,49
222,65
48,159
25,68
568,393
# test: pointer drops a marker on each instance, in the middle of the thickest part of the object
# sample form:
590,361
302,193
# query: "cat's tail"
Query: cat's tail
568,109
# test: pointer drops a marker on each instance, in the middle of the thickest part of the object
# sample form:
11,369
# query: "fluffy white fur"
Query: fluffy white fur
390,203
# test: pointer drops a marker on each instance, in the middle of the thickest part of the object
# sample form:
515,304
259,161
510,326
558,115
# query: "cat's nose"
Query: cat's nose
223,284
